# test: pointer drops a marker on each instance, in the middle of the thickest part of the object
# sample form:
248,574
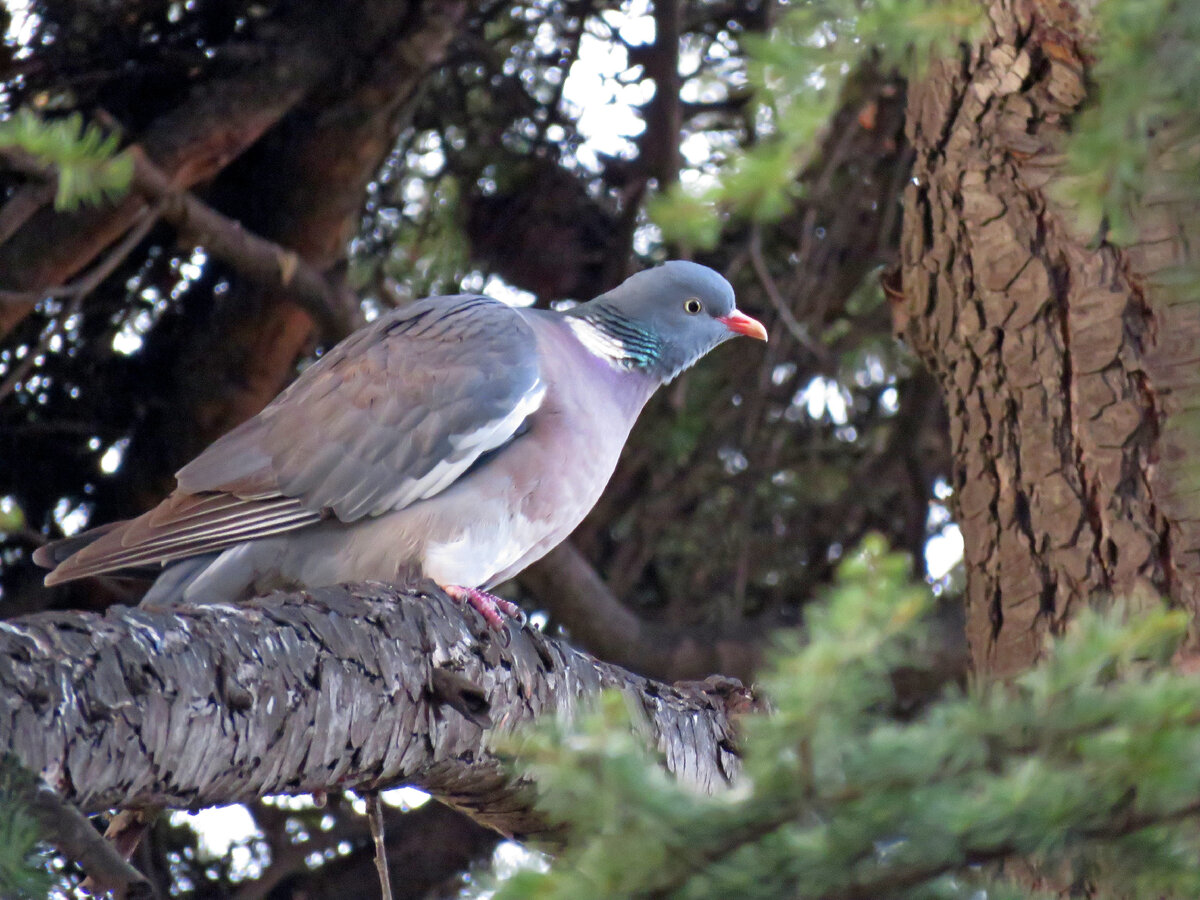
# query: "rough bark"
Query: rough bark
1057,356
358,688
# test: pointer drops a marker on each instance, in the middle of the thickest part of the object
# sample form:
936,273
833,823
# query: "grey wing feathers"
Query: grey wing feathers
390,416
394,414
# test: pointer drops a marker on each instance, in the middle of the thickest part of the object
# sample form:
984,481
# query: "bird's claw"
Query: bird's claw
493,609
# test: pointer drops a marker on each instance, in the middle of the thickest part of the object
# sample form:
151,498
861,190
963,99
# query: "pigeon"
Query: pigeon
457,439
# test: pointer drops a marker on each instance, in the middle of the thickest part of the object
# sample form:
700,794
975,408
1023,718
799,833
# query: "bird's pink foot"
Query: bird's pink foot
492,608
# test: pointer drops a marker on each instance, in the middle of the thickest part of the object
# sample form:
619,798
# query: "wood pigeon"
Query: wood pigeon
458,439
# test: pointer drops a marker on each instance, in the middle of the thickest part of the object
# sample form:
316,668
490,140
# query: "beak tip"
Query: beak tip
740,323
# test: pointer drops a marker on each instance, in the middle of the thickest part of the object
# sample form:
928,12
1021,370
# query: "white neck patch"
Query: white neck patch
600,343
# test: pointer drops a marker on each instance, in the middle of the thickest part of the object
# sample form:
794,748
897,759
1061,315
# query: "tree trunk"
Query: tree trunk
1059,353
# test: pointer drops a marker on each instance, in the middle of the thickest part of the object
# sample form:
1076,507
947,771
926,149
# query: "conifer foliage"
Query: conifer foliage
1087,767
81,157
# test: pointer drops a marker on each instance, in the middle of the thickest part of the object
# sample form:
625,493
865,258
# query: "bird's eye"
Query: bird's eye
692,306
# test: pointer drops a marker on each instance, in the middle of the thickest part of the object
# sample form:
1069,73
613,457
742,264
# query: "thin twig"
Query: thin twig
793,325
375,815
85,284
75,292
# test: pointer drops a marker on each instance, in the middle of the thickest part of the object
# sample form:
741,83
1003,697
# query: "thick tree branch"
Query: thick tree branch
218,120
253,88
296,693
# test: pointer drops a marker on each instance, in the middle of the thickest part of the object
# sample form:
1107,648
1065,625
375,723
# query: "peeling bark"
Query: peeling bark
358,688
1051,346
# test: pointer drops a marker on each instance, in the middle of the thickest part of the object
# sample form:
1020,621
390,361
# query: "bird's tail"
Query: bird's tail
53,554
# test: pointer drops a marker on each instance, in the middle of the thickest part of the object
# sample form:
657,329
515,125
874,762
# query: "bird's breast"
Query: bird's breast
535,492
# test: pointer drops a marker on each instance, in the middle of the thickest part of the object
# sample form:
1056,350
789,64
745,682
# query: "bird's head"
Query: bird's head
662,320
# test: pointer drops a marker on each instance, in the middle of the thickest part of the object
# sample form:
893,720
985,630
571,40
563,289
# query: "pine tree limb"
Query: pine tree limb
295,693
334,307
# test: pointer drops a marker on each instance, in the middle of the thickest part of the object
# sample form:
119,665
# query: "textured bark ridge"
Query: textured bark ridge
342,688
1058,370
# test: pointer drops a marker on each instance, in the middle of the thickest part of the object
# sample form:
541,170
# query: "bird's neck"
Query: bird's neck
615,338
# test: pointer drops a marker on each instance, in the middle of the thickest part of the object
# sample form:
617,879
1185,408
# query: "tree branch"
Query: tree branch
258,259
227,110
72,833
295,693
579,600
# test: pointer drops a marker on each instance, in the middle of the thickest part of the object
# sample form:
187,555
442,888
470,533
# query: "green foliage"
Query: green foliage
431,257
85,159
1141,128
1087,767
800,71
23,870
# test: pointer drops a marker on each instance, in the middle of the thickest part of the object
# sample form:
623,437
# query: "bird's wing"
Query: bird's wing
394,414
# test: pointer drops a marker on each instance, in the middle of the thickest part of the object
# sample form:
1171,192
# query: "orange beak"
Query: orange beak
741,323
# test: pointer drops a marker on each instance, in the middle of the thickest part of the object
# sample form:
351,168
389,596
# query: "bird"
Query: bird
457,439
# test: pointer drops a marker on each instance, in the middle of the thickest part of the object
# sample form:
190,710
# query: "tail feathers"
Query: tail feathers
53,554
170,587
182,526
75,557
